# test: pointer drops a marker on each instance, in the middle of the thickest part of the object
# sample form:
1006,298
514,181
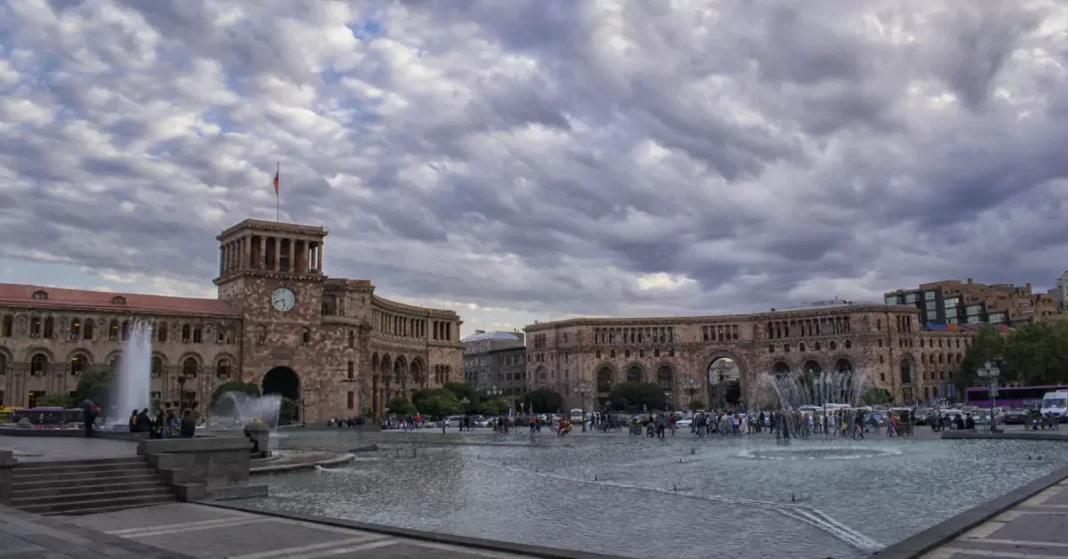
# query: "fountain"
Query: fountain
247,409
132,387
823,393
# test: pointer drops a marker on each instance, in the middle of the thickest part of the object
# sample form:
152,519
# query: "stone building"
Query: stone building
700,357
330,344
496,362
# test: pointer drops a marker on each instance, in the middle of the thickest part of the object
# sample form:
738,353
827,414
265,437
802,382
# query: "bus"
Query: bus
7,414
51,417
1010,397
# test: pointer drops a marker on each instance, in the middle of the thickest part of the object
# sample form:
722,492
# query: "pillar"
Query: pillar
277,253
293,257
246,250
319,258
263,253
222,260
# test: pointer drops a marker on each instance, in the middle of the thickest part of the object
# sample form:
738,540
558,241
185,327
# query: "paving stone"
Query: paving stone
158,516
226,541
412,551
1035,528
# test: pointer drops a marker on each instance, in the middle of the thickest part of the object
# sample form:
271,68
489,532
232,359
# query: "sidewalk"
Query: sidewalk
1035,529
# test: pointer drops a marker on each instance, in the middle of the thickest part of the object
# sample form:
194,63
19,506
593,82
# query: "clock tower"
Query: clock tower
273,274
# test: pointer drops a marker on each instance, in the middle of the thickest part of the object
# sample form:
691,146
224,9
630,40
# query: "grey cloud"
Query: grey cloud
796,137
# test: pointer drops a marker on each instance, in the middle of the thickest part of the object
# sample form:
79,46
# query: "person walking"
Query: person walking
88,417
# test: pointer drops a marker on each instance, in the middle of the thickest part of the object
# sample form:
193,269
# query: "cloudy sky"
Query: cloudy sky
529,160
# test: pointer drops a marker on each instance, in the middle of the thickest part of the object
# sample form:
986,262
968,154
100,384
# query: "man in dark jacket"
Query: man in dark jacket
88,416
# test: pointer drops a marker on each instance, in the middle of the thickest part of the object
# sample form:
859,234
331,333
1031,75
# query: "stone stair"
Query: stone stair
87,486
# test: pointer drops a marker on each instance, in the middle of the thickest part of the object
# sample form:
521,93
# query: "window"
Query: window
186,333
929,296
75,329
87,331
78,362
161,332
196,335
38,365
352,370
974,310
305,337
951,312
893,300
352,400
352,338
222,369
157,366
910,298
35,327
125,330
5,326
189,367
118,300
40,294
113,331
49,326
932,314
848,344
834,346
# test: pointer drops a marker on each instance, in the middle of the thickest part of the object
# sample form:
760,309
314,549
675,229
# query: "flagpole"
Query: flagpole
277,194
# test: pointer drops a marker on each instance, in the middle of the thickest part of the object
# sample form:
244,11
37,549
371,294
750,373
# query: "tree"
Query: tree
55,401
289,411
94,385
248,388
487,408
439,402
464,390
878,397
401,406
696,404
543,400
632,396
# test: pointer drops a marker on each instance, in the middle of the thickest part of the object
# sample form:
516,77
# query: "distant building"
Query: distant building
953,302
496,361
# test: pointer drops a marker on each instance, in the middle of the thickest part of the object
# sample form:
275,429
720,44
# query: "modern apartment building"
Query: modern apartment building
952,302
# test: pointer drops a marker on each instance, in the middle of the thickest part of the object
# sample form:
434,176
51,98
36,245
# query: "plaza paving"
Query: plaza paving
1034,529
38,449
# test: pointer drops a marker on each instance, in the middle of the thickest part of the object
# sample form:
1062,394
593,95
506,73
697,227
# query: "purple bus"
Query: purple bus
1010,397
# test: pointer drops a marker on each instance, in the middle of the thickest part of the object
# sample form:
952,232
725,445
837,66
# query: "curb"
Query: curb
328,463
1015,435
948,530
462,541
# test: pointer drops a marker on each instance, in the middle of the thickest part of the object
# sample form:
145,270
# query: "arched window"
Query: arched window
157,366
906,371
35,327
40,294
38,364
801,347
261,334
75,329
87,332
116,362
78,363
848,344
118,300
222,369
3,364
161,332
781,369
817,348
186,333
305,338
125,330
113,331
786,348
196,335
189,367
352,338
843,366
834,346
49,326
5,326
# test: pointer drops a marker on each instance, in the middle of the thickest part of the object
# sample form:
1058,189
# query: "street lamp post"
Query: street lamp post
583,388
991,372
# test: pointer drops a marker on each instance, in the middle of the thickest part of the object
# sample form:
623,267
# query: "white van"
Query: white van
1055,403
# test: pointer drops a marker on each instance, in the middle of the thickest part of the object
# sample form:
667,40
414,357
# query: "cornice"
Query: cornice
387,304
116,311
261,226
269,274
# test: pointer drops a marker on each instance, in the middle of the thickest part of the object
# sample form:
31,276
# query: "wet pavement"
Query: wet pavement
40,449
1034,529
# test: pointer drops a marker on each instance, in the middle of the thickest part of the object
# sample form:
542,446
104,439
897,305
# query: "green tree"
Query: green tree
248,388
439,403
878,397
487,408
55,401
696,404
401,406
94,385
465,390
289,412
632,396
987,345
543,400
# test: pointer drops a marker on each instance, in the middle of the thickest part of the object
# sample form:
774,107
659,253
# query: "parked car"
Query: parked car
1016,416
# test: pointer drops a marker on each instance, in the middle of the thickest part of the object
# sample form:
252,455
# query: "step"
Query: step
47,482
30,500
85,502
21,477
131,460
107,508
66,468
41,491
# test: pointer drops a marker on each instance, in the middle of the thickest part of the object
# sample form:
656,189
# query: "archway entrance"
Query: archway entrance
284,382
724,383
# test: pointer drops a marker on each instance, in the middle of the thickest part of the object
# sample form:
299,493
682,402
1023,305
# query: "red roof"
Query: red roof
84,298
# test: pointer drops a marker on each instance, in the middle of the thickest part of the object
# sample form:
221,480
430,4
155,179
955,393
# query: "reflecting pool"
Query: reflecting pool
677,497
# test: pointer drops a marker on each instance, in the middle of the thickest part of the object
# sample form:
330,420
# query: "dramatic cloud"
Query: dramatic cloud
537,159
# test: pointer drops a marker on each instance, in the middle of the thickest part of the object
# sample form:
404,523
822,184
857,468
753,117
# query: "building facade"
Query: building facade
330,344
701,357
496,362
953,302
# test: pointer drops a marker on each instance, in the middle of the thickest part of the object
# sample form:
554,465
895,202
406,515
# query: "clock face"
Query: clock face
283,299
